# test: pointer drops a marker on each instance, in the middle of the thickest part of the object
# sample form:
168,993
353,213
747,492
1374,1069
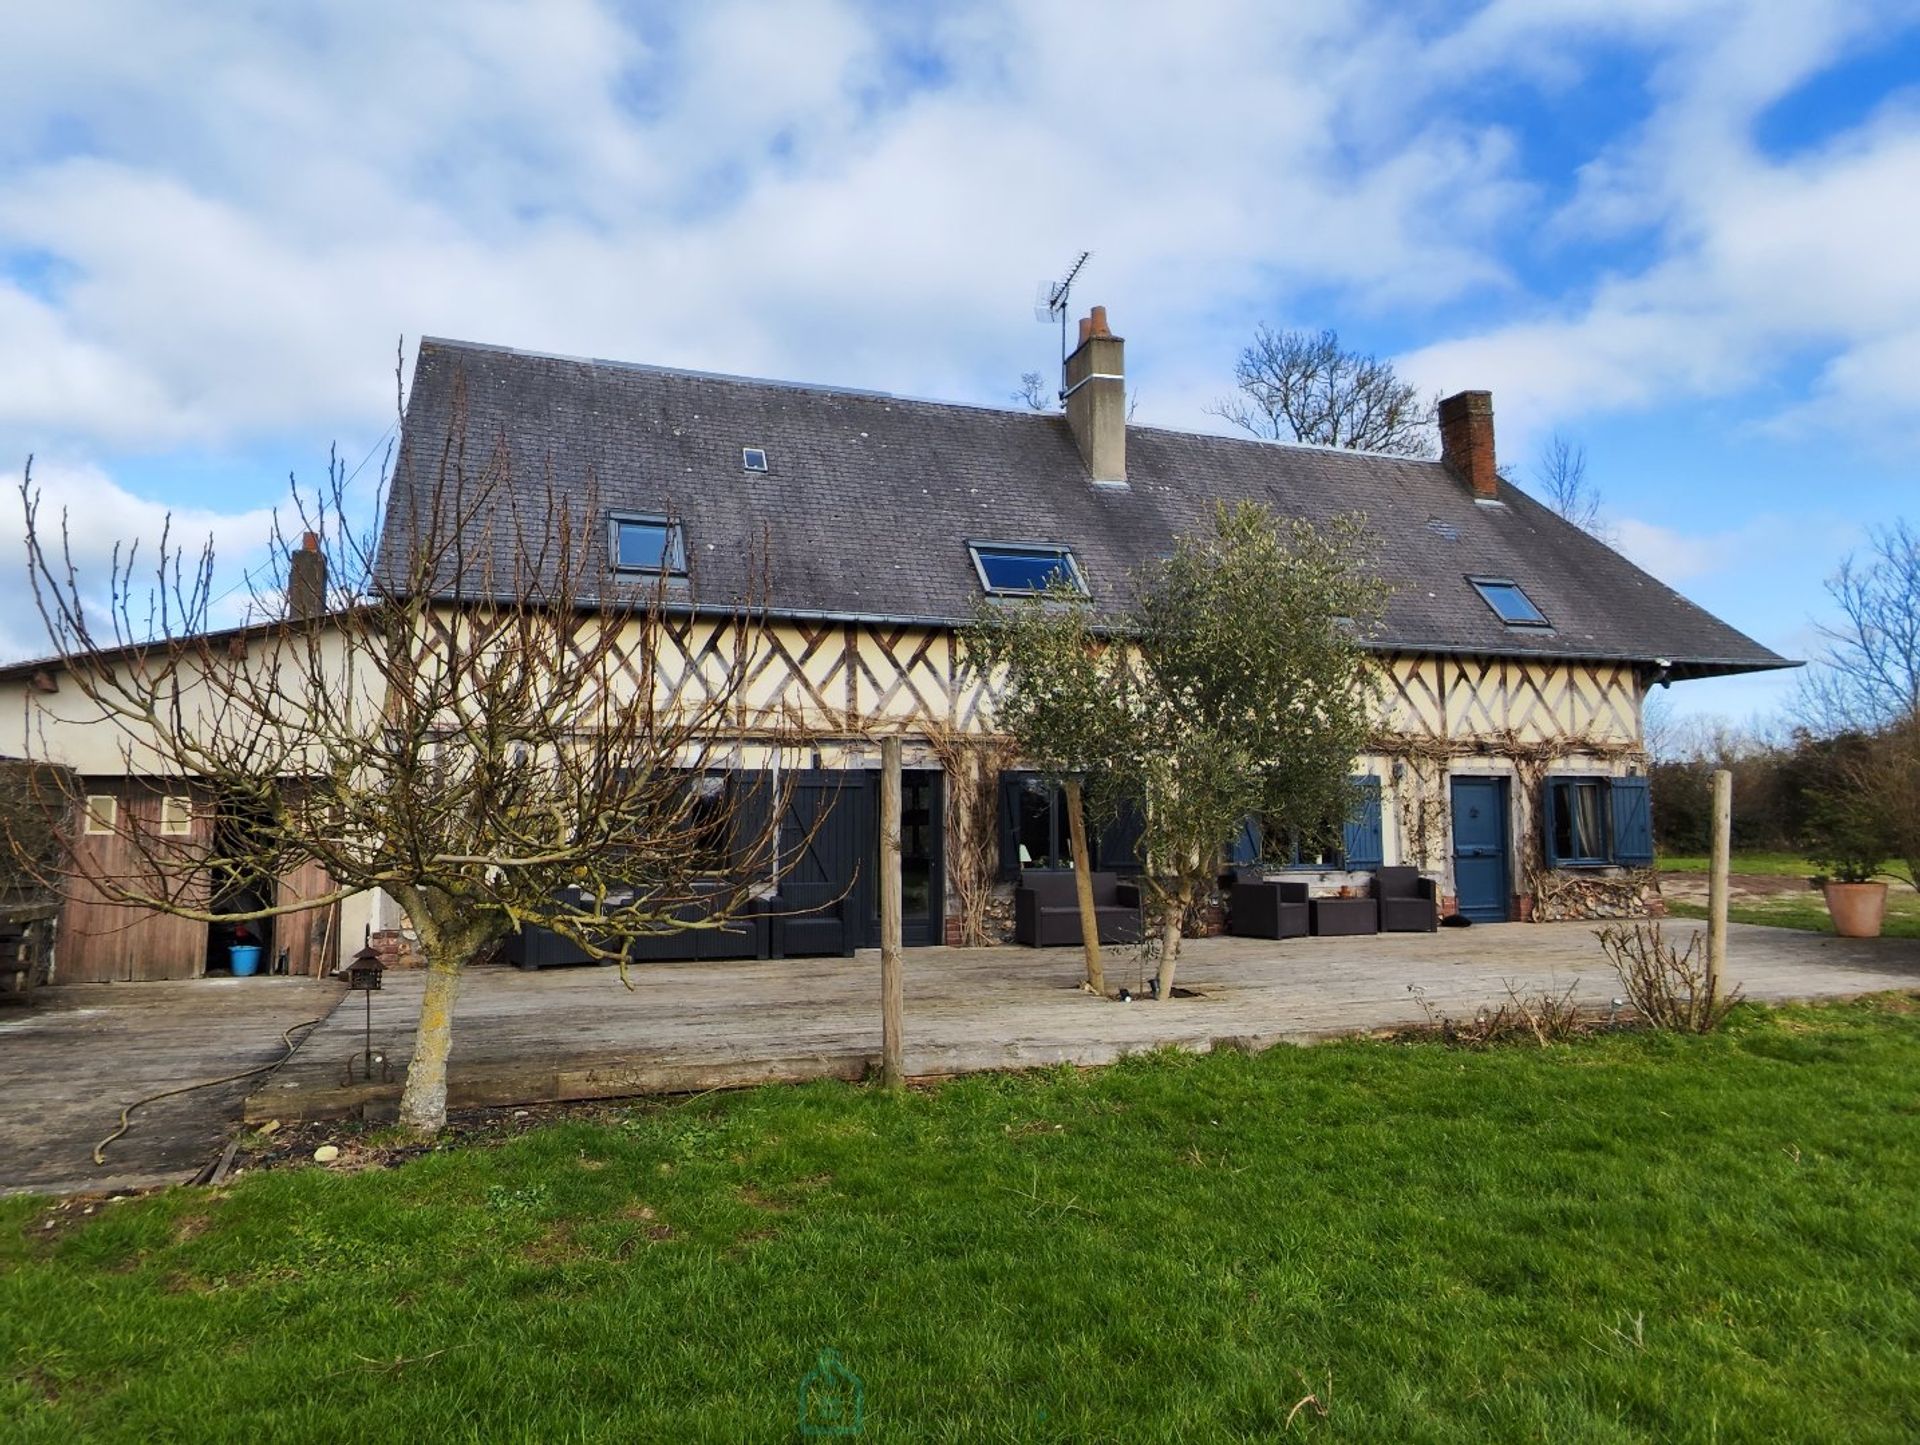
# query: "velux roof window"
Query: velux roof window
1509,603
647,544
1018,568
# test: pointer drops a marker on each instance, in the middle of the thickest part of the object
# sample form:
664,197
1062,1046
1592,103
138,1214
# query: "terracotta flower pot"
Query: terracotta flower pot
1857,909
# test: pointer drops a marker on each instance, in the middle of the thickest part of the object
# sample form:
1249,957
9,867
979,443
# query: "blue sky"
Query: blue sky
1678,233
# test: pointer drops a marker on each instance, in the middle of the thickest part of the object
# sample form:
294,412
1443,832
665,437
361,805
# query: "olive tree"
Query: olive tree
480,719
1232,682
1258,694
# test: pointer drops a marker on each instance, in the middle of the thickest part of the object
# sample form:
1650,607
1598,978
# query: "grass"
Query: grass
1634,1236
1807,911
1778,865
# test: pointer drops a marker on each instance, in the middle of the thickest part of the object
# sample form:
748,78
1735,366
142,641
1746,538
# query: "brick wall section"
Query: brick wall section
1466,440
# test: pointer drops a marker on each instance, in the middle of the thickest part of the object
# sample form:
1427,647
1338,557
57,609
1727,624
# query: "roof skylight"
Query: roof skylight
1509,602
646,544
753,459
1024,568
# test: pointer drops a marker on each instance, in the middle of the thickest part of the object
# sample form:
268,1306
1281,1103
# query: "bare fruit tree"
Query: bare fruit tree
479,717
1304,386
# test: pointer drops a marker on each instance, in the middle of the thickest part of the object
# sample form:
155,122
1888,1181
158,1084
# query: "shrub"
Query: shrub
1667,986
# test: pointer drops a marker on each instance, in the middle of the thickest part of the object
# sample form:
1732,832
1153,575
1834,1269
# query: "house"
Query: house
1508,761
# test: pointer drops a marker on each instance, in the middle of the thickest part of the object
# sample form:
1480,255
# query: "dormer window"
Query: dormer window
1509,603
647,544
1014,569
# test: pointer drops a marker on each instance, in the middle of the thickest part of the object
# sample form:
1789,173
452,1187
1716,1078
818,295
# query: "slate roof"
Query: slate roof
871,498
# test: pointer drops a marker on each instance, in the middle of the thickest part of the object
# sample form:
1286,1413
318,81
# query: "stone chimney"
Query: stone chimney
1466,441
1097,398
307,580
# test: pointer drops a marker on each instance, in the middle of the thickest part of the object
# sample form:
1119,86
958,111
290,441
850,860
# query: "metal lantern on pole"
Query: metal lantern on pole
362,973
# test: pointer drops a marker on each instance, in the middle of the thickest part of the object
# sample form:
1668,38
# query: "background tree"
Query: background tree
1063,697
1867,680
1561,474
461,729
1303,386
1034,394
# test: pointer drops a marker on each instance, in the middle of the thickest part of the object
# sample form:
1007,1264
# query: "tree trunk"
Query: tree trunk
423,1103
1169,945
1083,886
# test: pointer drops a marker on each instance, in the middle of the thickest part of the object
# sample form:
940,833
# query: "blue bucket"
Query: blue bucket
245,958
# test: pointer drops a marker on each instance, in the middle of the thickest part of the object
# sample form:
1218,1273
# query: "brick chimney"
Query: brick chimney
307,580
1466,441
1097,398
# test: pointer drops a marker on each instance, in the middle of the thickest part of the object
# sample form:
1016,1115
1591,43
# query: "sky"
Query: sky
1680,233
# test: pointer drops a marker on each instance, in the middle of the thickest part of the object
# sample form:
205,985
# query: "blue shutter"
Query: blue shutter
1245,847
1362,838
1632,822
1550,822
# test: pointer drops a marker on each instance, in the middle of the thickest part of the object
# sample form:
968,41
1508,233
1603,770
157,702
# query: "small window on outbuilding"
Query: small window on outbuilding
176,815
1023,568
1509,601
753,459
103,813
646,544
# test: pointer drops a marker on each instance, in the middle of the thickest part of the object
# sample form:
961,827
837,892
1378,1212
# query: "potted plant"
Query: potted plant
1850,837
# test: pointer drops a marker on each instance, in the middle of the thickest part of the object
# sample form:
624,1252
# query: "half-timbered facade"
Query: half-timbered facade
1508,760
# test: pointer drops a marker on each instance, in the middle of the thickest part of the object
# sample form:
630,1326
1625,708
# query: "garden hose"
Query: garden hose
126,1114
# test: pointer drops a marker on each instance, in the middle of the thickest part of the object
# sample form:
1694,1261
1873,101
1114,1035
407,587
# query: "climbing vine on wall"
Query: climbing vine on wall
973,763
1425,816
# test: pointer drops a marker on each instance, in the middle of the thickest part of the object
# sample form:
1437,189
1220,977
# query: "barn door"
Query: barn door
821,889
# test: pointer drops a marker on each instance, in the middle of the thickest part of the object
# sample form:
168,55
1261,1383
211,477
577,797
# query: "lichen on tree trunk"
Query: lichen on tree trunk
450,944
423,1103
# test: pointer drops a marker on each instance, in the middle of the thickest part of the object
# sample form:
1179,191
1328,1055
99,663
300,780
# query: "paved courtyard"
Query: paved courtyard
576,1033
72,1057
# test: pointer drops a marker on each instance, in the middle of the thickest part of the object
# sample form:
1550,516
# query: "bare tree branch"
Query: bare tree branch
1302,386
487,722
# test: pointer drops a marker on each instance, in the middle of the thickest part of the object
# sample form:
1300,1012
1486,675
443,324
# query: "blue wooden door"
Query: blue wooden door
1480,848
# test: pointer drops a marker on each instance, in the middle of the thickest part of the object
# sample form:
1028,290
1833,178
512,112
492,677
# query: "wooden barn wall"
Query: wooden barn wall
104,942
100,941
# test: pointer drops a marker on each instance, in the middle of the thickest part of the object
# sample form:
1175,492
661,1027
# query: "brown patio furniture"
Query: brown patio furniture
1046,909
1408,903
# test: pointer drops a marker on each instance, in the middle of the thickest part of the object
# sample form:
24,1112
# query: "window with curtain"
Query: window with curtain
1577,821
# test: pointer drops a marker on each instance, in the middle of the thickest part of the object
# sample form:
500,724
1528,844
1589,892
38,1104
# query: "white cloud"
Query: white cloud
213,227
1763,261
85,517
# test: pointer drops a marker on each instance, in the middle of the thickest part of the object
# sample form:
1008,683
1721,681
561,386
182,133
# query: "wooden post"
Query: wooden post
1717,880
892,993
1083,886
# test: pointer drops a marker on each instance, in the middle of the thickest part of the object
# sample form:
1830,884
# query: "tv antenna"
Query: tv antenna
1050,304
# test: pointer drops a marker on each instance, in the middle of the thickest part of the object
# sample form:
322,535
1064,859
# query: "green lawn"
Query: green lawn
1782,865
1631,1237
1807,911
